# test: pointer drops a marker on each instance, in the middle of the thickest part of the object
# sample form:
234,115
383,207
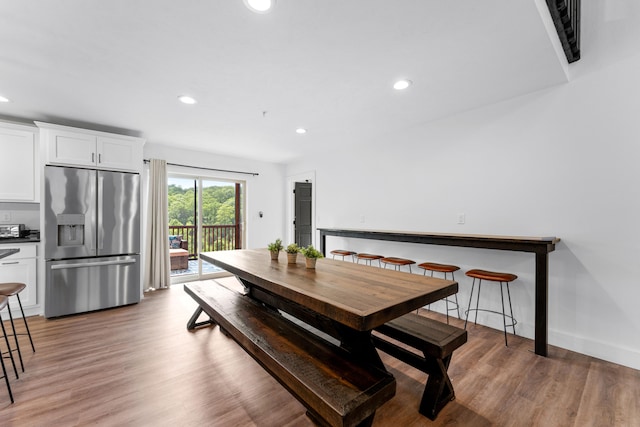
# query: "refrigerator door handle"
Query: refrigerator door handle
99,207
92,264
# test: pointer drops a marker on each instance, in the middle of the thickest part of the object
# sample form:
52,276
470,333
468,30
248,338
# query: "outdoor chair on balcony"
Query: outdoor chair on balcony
178,253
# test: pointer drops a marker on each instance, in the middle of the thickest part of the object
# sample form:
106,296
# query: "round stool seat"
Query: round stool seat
11,289
368,256
341,252
491,275
441,268
396,261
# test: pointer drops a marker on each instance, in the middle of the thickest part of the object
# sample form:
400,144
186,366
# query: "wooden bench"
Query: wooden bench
336,388
436,341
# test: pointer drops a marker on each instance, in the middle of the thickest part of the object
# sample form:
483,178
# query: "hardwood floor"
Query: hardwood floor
139,366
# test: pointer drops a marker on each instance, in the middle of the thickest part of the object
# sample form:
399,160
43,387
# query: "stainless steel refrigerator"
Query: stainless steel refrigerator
92,240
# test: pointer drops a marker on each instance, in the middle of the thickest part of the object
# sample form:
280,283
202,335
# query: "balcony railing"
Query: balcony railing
214,237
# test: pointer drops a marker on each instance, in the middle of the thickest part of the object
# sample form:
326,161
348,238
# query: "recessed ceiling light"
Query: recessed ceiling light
402,84
260,6
185,99
3,99
301,131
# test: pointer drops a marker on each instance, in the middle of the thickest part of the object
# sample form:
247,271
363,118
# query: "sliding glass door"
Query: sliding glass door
208,214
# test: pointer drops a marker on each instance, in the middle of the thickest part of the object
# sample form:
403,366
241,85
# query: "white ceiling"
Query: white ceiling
326,65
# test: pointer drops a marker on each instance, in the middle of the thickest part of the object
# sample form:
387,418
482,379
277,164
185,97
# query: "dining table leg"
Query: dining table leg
359,343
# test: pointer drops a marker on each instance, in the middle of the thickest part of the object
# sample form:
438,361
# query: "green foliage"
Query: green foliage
293,248
311,252
275,246
218,205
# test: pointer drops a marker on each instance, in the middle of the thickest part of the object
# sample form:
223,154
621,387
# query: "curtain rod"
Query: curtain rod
209,169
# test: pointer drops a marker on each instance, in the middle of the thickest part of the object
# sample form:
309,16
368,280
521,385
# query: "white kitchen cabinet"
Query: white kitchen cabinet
20,165
69,148
118,153
79,147
21,267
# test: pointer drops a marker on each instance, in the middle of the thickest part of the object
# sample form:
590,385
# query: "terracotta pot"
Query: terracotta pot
311,262
292,258
274,255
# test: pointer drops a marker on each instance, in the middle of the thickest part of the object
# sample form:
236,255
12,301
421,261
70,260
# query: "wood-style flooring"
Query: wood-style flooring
139,366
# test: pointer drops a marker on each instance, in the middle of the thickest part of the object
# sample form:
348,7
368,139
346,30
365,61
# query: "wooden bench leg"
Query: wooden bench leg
193,323
439,390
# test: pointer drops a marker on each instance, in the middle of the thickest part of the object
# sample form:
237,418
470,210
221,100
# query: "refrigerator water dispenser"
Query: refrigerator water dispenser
70,229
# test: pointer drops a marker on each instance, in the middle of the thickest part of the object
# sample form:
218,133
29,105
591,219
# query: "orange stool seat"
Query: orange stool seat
368,258
444,269
343,253
397,262
496,277
491,275
441,268
11,289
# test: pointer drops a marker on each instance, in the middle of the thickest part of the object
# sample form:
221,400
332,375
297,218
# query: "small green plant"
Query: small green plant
311,252
275,246
292,248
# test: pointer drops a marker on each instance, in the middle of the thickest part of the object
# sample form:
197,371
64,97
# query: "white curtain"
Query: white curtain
157,268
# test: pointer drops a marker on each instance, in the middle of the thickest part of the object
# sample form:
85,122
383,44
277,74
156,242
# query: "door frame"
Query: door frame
239,201
291,182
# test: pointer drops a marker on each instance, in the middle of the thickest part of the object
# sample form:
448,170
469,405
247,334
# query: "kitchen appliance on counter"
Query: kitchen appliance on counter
92,239
13,231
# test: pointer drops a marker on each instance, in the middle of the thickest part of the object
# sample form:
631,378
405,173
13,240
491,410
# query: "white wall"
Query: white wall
265,192
560,162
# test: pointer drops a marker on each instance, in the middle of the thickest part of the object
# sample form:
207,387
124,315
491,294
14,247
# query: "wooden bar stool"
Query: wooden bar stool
444,269
343,253
368,258
3,304
13,289
397,262
492,276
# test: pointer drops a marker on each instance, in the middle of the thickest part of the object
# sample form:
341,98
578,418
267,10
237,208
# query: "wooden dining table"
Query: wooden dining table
341,299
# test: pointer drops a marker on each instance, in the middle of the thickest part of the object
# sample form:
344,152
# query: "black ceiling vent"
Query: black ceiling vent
566,17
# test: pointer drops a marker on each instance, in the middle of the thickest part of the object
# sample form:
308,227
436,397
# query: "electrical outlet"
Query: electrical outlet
461,218
5,216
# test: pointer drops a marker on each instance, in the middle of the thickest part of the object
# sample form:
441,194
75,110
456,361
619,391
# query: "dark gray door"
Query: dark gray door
302,220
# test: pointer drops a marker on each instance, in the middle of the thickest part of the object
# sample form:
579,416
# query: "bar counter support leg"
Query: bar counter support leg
542,301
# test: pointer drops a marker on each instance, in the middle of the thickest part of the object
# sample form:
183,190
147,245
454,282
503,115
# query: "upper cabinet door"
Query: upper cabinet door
70,148
19,168
119,154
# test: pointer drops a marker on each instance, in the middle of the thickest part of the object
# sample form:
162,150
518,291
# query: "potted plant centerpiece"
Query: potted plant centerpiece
275,248
311,254
292,253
